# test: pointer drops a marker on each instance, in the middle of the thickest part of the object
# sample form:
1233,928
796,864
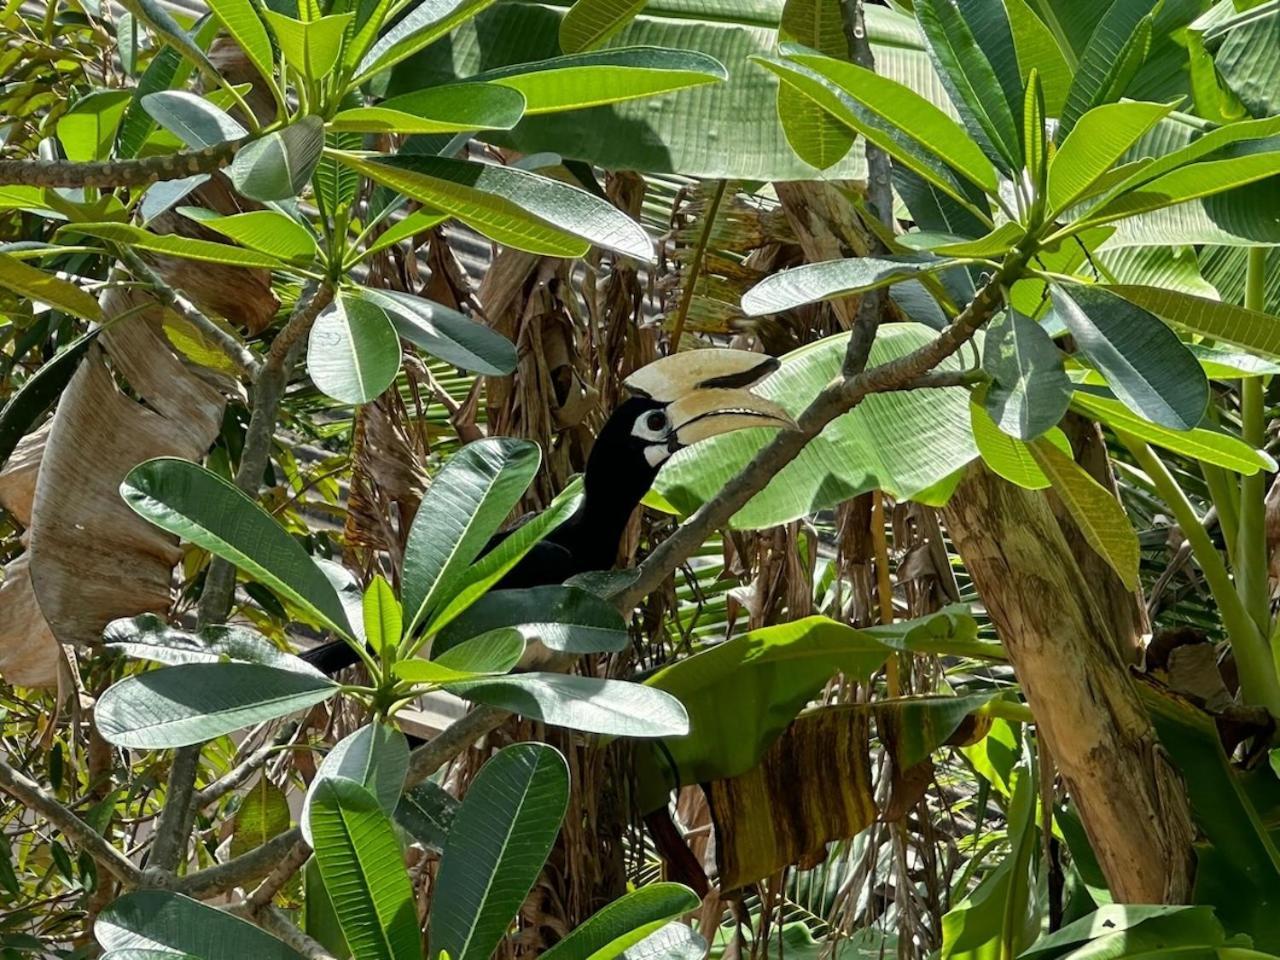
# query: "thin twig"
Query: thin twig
241,772
266,891
695,264
119,173
29,793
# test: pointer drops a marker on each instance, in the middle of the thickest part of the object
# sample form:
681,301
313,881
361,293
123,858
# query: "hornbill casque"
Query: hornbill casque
675,402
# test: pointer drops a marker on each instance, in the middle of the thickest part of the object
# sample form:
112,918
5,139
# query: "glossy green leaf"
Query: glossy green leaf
149,637
197,505
278,166
376,756
336,186
166,71
588,24
526,210
443,332
1145,363
192,119
814,282
263,815
420,221
470,496
88,128
421,26
427,813
590,704
1007,456
194,702
1100,138
961,54
382,616
1030,389
1037,49
173,245
816,136
563,618
1109,61
160,920
241,19
1095,510
363,871
493,653
625,922
311,48
1240,326
497,845
608,76
1202,443
267,231
452,108
904,442
353,353
491,568
34,284
39,392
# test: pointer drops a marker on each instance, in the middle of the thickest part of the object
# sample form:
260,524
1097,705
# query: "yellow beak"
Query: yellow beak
707,392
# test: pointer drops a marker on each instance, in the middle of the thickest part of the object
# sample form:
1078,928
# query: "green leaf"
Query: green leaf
467,500
382,617
267,231
15,196
427,812
489,654
167,70
444,333
1099,140
970,78
817,137
88,129
525,210
376,756
497,845
563,618
198,505
830,279
172,245
1193,144
263,815
34,284
363,871
1038,50
453,108
170,31
1035,142
159,920
311,48
1250,329
625,922
419,221
1209,445
1108,63
194,702
1030,390
904,442
192,119
590,23
605,76
1127,932
420,27
893,117
39,392
1145,363
1096,512
495,564
336,186
1246,57
613,707
1007,456
240,17
353,353
278,166
148,637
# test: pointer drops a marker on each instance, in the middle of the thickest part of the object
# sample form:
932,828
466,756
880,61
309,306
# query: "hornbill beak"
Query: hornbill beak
707,392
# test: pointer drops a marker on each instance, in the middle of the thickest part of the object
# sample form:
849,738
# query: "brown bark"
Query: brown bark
1064,649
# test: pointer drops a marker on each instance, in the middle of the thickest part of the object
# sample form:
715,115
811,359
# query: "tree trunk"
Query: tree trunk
1064,650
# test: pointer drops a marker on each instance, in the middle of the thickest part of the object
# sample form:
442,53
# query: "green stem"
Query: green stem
1251,545
1258,679
1226,498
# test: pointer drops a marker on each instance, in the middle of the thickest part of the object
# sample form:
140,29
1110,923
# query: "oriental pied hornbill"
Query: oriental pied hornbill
675,402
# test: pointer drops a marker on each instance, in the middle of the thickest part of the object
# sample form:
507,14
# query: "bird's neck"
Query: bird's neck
610,498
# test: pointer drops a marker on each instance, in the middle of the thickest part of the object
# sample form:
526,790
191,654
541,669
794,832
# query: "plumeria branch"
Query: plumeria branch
118,173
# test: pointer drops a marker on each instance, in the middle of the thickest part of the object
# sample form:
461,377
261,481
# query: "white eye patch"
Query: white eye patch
652,425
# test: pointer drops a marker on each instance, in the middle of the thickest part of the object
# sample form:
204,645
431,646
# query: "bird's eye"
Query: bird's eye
656,421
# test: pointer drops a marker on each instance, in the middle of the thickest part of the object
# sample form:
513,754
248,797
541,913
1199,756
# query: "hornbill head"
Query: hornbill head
687,397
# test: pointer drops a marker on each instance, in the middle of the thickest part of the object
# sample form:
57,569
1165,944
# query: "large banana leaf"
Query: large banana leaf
903,442
726,129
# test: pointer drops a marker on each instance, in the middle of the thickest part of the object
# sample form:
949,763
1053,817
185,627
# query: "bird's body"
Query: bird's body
677,401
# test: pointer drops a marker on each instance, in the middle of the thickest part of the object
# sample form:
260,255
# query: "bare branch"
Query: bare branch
241,772
119,173
29,793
